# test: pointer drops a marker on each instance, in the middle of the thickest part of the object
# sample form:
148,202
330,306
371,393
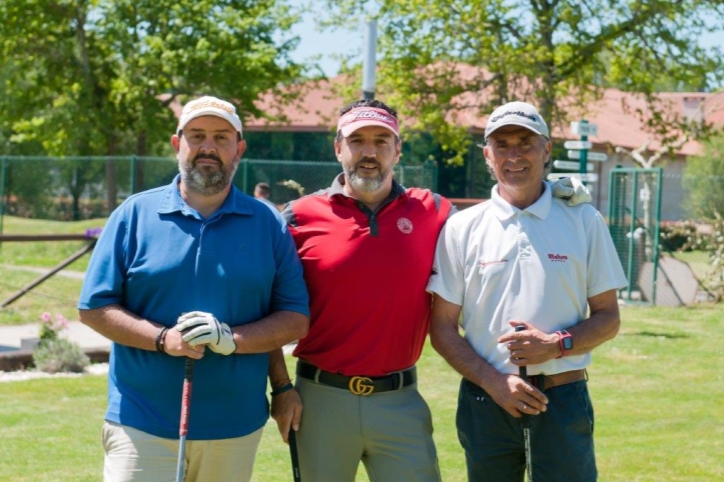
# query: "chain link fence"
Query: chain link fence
76,188
634,217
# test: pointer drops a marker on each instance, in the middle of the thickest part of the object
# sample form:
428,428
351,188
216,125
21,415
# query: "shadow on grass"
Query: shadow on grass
652,334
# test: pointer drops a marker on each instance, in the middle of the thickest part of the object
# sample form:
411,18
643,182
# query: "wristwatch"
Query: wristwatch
565,341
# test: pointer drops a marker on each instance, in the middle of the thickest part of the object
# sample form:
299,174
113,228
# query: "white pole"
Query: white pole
369,65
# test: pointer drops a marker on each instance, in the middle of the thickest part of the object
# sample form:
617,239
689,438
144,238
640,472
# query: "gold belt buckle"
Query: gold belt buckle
361,386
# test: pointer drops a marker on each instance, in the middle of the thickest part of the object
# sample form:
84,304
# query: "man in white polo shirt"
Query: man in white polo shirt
524,258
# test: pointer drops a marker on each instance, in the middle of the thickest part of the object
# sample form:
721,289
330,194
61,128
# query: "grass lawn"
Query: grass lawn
19,263
657,390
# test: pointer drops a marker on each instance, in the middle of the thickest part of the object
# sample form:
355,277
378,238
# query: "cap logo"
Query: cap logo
370,114
211,103
518,113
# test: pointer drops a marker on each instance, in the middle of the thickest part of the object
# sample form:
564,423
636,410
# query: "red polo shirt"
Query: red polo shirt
366,273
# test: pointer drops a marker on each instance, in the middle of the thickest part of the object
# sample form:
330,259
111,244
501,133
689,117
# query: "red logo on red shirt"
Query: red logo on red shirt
557,258
404,225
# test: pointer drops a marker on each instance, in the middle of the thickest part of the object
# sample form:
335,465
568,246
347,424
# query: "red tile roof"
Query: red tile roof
319,102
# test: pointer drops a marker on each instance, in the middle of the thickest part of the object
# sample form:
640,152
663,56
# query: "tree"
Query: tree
97,77
704,178
447,62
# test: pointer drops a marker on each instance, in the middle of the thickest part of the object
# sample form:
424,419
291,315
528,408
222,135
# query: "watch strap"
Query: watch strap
564,339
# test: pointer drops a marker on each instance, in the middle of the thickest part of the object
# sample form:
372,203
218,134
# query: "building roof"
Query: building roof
316,110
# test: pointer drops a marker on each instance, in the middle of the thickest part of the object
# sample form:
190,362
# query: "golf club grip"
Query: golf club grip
297,477
522,371
186,396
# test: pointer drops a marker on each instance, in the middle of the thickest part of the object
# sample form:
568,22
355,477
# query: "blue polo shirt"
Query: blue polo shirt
159,258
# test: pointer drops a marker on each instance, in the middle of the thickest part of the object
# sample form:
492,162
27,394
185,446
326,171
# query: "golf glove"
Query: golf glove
201,328
572,190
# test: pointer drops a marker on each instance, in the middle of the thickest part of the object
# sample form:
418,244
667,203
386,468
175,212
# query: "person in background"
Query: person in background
524,258
195,269
262,192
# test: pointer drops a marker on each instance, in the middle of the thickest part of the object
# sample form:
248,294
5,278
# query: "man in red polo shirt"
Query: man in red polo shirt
367,246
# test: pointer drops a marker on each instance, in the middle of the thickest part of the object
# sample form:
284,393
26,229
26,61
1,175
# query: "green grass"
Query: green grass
44,253
698,261
657,390
19,261
58,294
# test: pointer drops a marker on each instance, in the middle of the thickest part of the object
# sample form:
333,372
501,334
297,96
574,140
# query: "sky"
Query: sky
330,43
352,39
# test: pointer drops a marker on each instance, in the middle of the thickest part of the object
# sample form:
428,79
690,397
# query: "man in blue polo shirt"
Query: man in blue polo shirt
192,265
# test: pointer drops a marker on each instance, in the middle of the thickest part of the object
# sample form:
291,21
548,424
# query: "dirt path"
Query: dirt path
64,272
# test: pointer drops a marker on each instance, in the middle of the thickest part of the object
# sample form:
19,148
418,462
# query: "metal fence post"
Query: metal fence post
431,173
245,176
132,184
3,165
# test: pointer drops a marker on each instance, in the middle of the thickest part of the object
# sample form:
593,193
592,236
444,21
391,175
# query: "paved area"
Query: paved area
13,338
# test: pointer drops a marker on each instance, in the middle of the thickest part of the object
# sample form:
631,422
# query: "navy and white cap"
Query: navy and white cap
517,114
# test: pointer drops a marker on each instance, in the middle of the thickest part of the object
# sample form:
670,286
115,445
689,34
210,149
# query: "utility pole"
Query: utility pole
369,65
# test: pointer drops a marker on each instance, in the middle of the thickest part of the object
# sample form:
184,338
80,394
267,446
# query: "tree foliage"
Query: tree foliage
97,77
447,59
703,180
87,77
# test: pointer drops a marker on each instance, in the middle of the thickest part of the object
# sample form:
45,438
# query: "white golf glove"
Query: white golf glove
572,190
201,328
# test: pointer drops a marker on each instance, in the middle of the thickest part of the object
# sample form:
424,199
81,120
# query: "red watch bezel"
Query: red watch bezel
564,335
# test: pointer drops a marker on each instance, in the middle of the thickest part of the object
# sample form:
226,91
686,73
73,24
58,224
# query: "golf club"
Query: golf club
297,477
525,421
184,424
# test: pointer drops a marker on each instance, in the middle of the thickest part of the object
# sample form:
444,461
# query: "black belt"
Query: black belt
359,385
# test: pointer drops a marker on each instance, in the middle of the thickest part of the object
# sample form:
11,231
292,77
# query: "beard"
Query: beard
364,183
203,181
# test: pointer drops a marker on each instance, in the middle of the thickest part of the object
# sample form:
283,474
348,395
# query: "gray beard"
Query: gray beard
366,184
206,184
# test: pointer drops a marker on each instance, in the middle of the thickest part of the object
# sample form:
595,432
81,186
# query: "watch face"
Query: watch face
567,343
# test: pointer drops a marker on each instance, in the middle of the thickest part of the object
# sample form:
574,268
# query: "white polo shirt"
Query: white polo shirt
538,265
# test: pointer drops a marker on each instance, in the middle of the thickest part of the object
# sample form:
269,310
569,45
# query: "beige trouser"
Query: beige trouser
133,455
390,432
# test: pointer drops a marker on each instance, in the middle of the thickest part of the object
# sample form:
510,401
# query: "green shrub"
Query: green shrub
712,241
677,235
60,355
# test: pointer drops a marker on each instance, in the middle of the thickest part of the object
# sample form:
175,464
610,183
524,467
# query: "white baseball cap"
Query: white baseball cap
517,114
208,105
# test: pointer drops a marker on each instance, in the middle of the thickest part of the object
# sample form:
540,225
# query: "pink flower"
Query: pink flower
45,316
60,322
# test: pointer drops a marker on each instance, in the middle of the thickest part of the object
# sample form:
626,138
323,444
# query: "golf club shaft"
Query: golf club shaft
526,422
184,423
297,477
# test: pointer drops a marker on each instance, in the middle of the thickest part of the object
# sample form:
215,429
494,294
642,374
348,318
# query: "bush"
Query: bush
54,354
60,355
712,241
677,235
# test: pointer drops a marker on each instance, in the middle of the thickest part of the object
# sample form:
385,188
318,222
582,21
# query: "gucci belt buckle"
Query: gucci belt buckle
361,386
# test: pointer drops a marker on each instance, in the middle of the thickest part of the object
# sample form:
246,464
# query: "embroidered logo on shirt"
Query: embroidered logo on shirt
483,264
557,258
404,225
